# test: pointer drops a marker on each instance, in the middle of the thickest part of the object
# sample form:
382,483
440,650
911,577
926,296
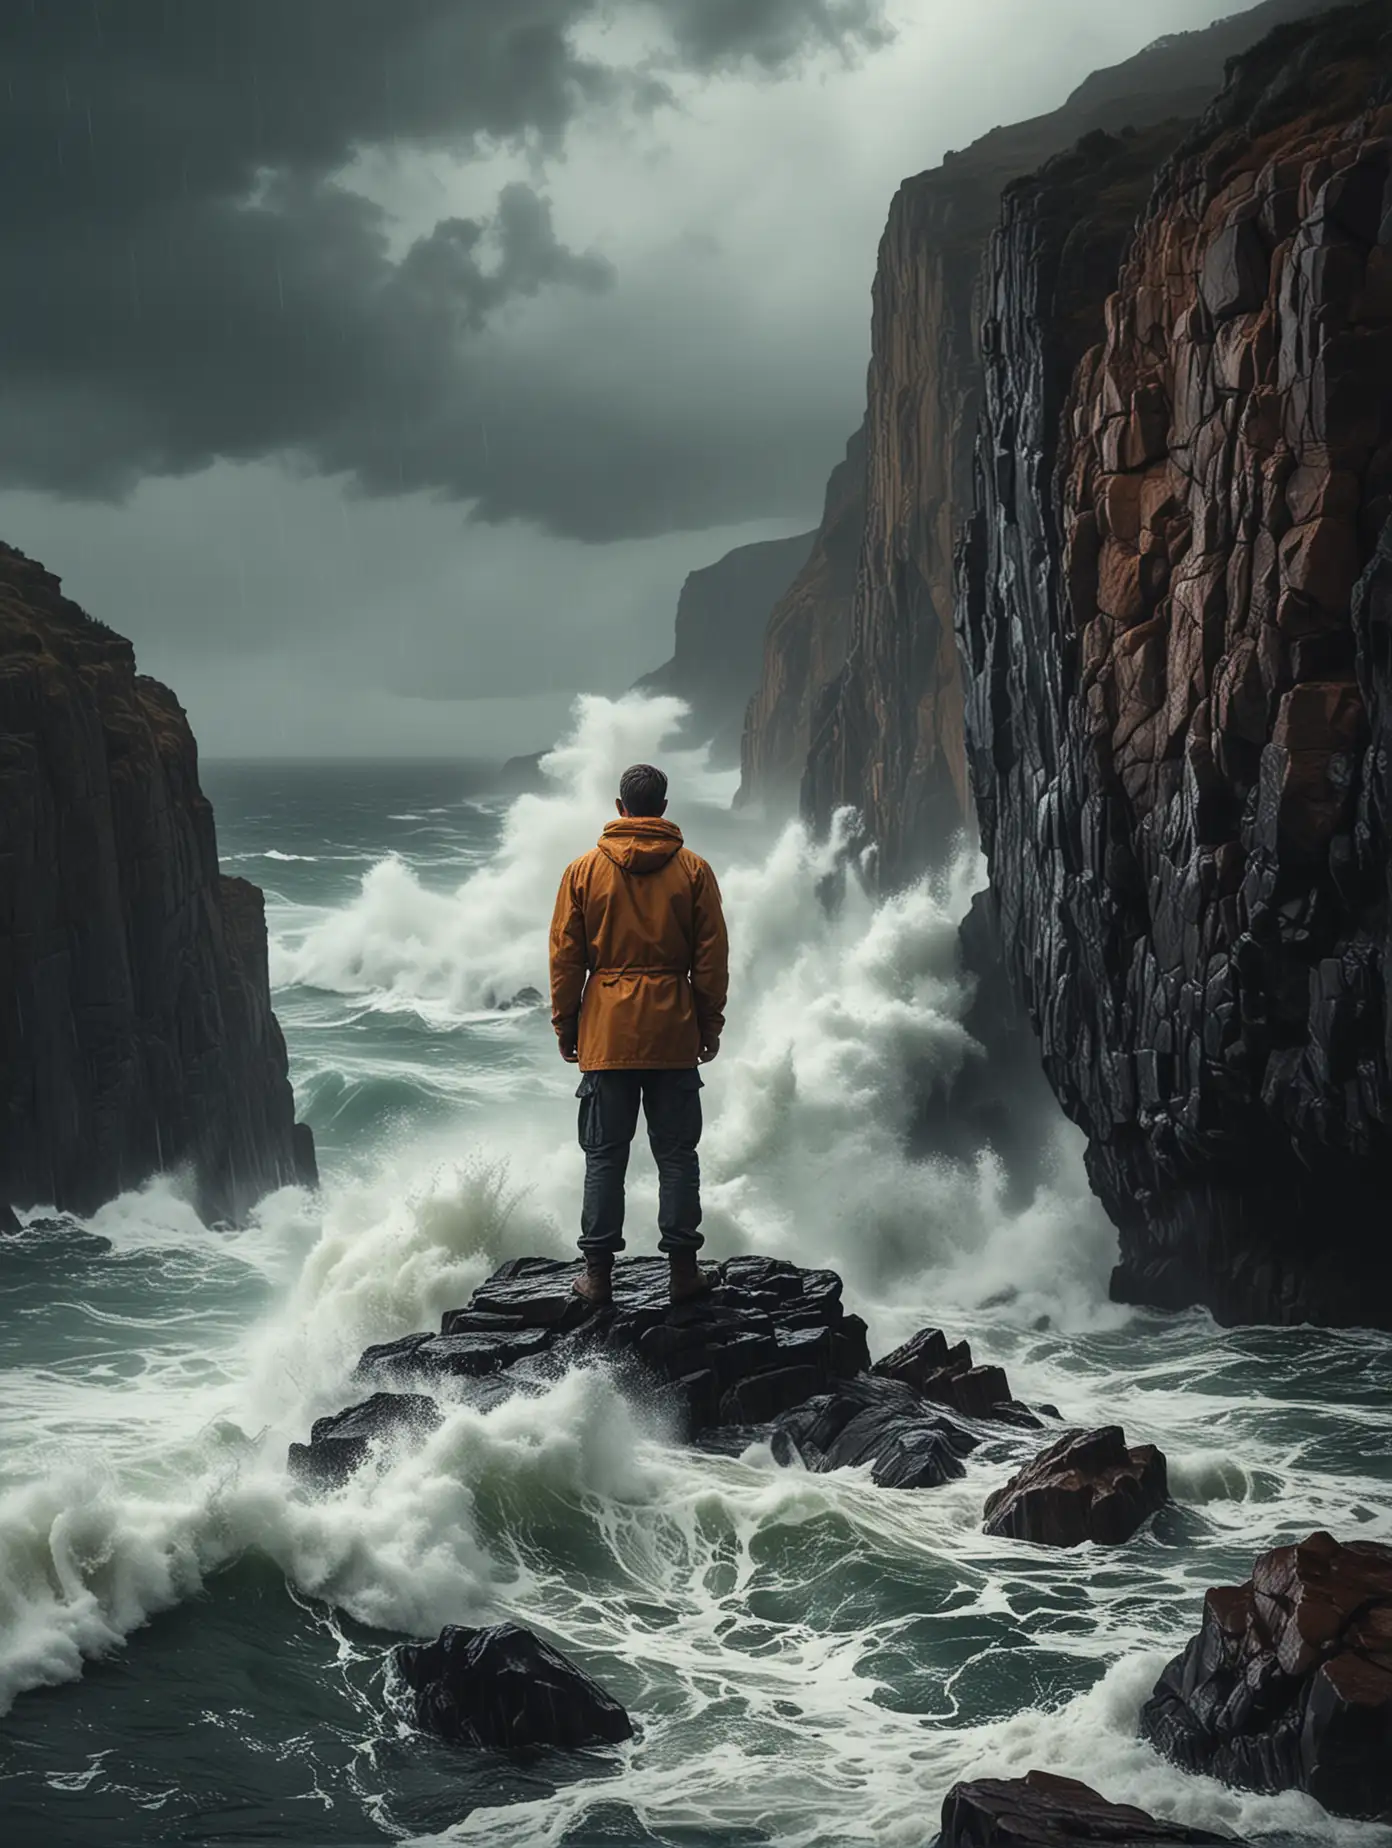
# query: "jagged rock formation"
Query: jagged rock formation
136,1032
887,732
504,1688
1041,1810
1086,1486
1288,1685
768,1354
340,1444
805,643
722,614
1177,702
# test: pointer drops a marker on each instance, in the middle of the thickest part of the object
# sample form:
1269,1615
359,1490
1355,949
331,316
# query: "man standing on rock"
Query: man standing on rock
639,973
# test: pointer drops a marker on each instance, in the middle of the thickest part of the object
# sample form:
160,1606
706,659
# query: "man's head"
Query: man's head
642,791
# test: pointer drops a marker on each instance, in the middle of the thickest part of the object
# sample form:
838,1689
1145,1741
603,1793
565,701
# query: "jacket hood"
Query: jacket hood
640,843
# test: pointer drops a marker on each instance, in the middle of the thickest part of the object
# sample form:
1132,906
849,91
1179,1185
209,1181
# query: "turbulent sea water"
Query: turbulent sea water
193,1650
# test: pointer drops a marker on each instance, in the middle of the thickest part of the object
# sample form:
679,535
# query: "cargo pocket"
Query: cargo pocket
587,1091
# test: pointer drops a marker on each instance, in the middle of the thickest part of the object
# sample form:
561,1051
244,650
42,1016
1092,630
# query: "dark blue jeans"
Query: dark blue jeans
608,1120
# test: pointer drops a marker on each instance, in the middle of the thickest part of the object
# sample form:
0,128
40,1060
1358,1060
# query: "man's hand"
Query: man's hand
569,1051
709,1051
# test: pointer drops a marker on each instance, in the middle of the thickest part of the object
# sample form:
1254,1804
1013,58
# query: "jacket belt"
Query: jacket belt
643,969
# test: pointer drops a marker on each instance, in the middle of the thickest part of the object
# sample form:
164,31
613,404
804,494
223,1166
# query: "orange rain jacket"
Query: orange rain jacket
639,951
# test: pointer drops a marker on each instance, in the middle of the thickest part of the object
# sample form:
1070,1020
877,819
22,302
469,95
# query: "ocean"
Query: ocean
195,1650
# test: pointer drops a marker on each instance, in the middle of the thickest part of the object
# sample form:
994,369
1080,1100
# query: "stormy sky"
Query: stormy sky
381,367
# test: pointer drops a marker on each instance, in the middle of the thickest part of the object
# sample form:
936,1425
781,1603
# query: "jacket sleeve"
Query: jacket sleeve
710,957
568,957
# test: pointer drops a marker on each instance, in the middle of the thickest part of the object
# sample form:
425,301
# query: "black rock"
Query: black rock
340,1444
1041,1810
768,1336
504,1687
911,1444
948,1375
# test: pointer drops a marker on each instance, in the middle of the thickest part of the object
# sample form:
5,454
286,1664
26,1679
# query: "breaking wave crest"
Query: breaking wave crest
813,1660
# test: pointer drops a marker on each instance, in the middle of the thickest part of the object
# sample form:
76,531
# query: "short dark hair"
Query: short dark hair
643,790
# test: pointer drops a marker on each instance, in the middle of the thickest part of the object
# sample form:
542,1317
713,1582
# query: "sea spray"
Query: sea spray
811,1660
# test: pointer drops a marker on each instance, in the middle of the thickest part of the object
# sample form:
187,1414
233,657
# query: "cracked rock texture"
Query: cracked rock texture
136,1032
1175,608
878,684
1288,1685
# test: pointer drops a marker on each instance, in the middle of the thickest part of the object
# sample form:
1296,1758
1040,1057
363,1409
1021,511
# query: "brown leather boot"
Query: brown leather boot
596,1282
687,1277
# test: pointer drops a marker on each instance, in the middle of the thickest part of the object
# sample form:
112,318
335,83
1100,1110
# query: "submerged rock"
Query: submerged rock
1288,1685
504,1687
909,1443
340,1444
1040,1810
1086,1486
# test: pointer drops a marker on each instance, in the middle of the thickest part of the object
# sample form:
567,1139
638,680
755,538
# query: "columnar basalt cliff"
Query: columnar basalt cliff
886,731
136,1032
1175,621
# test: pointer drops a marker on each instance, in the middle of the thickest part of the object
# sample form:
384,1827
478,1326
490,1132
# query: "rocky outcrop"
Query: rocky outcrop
768,1337
1176,700
1085,1486
505,1688
805,644
946,1373
769,1354
136,1032
906,1442
340,1444
1288,1685
1040,1810
887,734
722,614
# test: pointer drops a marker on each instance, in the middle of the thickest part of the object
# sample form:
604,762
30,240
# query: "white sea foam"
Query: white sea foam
810,1657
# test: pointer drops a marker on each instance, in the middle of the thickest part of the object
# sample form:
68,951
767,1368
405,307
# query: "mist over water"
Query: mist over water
196,1648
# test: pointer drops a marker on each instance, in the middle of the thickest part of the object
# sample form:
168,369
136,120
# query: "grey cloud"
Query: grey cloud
189,281
773,32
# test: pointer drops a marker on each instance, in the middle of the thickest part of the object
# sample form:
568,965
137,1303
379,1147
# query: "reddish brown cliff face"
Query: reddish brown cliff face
806,642
886,732
136,1032
1177,693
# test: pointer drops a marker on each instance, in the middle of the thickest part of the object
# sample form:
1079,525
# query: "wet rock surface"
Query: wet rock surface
1086,1486
766,1338
946,1373
881,1422
1174,610
1288,1685
136,1031
1041,1810
340,1444
505,1688
886,732
770,1354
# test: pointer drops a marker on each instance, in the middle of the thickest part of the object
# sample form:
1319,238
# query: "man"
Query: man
639,972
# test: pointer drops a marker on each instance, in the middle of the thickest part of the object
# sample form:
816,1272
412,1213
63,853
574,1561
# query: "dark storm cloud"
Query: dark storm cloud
187,280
